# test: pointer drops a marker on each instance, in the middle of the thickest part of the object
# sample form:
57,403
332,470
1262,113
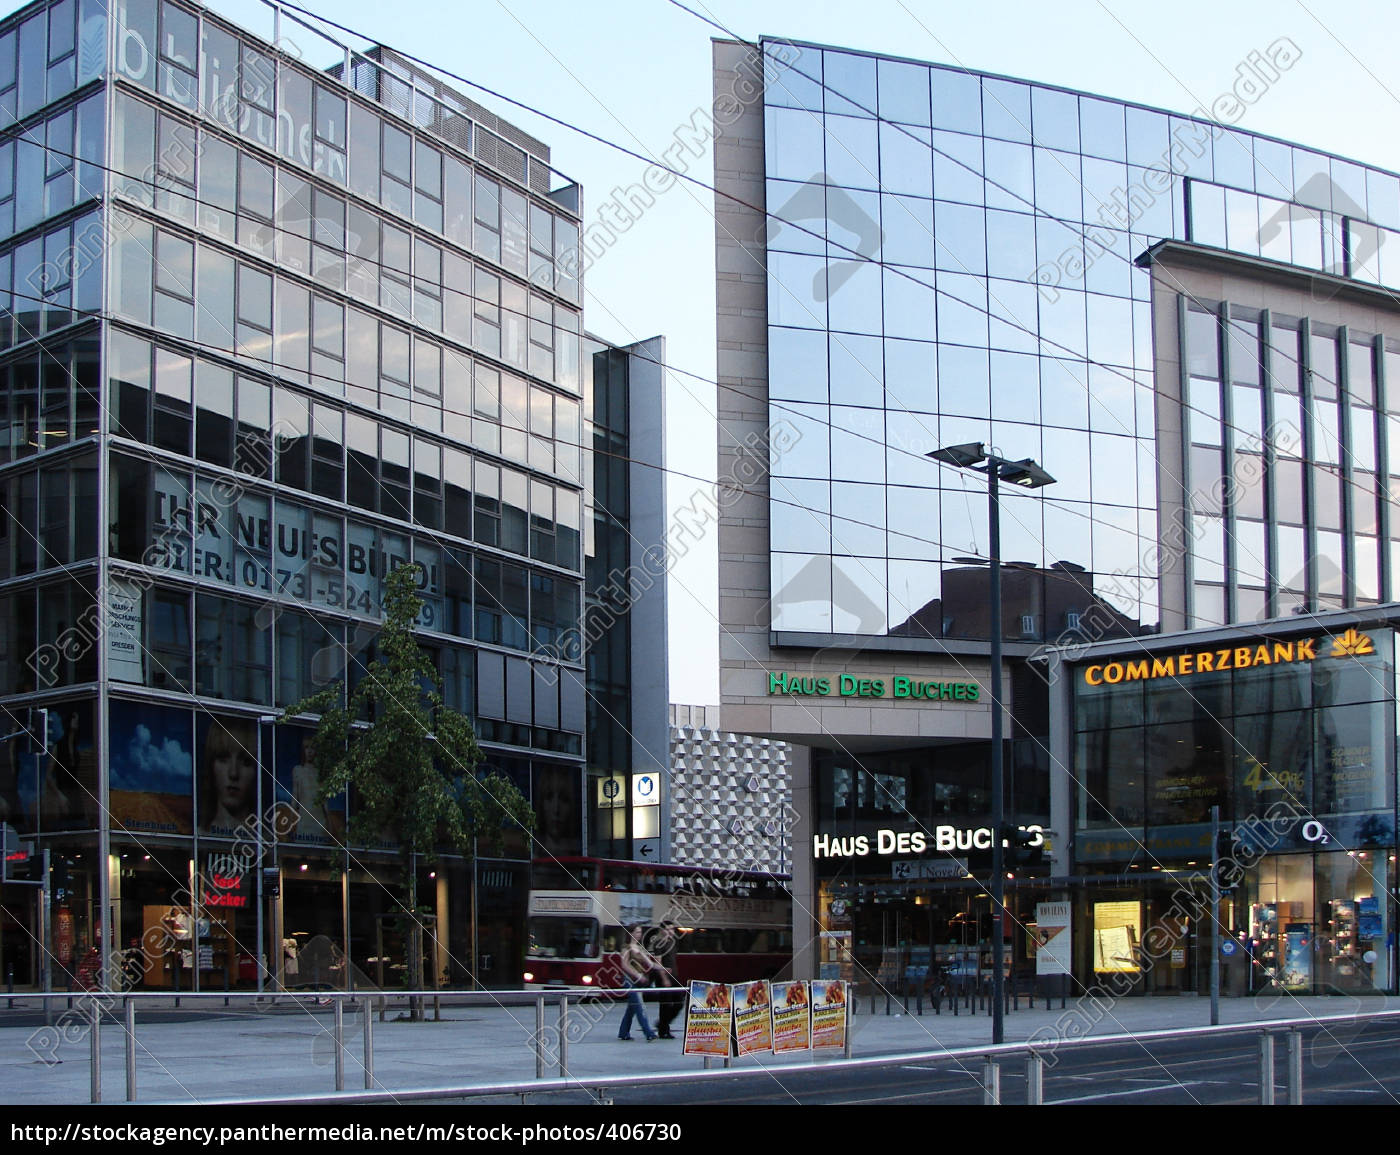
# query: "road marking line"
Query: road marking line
1120,1094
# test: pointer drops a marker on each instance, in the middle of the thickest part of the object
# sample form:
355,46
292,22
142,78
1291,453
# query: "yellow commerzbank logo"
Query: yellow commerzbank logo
1351,644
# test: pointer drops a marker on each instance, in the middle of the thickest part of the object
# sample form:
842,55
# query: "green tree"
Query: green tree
410,760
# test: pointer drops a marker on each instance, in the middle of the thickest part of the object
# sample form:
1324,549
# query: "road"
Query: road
1358,1063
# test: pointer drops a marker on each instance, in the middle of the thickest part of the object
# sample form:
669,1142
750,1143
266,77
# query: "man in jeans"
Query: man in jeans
637,965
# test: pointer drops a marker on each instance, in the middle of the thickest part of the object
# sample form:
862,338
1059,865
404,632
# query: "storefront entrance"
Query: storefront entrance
872,931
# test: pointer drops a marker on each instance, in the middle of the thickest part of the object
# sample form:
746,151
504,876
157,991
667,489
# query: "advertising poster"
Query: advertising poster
66,776
753,1016
708,1019
124,624
1297,956
227,775
828,1015
1116,936
1368,918
298,816
1052,938
792,1018
152,785
558,801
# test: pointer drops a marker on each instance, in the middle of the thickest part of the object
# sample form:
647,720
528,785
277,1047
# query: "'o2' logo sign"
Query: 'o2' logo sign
1313,831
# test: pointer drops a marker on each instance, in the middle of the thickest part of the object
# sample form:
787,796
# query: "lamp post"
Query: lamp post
263,972
1027,474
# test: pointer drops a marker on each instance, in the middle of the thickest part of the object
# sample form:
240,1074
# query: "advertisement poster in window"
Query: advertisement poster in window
152,769
1051,938
1297,956
828,1015
1116,937
228,775
558,801
66,775
709,1019
753,1016
124,625
299,817
792,1018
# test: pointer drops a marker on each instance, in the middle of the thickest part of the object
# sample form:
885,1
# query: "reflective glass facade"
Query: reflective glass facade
1289,466
269,333
954,261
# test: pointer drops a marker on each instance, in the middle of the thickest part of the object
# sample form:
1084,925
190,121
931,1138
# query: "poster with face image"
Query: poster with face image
792,1020
709,1019
152,768
828,1014
557,798
227,775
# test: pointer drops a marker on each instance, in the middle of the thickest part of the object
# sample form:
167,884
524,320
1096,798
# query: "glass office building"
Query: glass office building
1188,326
271,331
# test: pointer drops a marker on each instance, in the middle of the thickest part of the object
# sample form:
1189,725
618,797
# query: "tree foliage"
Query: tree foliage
410,761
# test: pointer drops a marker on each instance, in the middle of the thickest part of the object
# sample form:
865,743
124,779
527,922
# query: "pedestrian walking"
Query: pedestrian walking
664,975
637,966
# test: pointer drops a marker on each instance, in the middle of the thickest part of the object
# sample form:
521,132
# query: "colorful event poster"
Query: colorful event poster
753,1018
708,1019
828,1014
792,1020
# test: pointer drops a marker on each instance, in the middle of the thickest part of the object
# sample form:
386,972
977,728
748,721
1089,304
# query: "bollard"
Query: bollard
539,1037
339,1045
1035,1080
130,1051
850,1041
95,1054
887,1000
1266,1069
918,1000
563,1036
1295,1067
991,1083
369,1046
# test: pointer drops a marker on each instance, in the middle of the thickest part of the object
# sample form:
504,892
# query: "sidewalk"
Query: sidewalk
287,1050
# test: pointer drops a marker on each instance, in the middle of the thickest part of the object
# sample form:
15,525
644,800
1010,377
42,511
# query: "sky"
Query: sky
635,71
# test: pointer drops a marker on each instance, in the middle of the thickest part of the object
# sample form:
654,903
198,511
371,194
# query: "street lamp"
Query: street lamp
1027,474
264,720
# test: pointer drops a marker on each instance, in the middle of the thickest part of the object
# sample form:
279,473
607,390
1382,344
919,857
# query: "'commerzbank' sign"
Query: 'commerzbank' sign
1350,644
